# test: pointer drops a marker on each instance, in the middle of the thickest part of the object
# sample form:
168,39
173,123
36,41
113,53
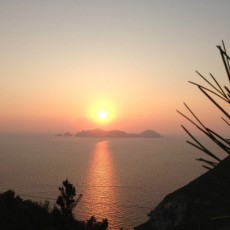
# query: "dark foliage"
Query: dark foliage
19,214
16,213
66,201
92,223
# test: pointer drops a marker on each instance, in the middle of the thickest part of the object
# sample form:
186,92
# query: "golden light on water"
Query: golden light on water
100,196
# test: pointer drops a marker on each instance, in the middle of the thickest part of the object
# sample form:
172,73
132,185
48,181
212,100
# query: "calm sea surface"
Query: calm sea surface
120,179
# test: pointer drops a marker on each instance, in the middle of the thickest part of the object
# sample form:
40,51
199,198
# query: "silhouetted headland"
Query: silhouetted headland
99,133
201,204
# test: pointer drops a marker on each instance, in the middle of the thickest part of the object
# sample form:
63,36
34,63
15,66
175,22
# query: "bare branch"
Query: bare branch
214,102
226,121
214,90
201,146
223,98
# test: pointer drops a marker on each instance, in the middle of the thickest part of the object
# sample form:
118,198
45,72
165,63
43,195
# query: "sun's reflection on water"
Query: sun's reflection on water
99,197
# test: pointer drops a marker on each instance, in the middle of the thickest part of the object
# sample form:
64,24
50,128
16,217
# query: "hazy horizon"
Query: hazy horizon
62,63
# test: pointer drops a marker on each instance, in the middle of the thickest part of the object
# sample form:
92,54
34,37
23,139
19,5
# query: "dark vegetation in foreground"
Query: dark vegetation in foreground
19,214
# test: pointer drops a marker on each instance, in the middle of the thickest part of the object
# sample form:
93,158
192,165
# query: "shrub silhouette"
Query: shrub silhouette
92,223
16,213
66,201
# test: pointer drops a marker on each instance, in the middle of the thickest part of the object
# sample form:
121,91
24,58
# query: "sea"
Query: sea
121,179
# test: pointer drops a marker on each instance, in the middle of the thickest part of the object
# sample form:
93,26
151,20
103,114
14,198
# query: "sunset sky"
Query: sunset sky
63,62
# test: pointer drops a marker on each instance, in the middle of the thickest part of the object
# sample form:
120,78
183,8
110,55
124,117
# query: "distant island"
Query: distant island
99,133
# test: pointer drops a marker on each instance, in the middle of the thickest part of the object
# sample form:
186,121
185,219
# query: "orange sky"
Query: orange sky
59,59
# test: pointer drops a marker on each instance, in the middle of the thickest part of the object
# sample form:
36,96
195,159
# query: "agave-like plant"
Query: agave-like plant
213,91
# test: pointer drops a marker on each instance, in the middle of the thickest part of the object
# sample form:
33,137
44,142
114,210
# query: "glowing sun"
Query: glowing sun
102,115
102,112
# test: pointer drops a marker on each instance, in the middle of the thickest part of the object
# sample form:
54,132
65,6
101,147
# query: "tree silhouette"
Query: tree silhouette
66,201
